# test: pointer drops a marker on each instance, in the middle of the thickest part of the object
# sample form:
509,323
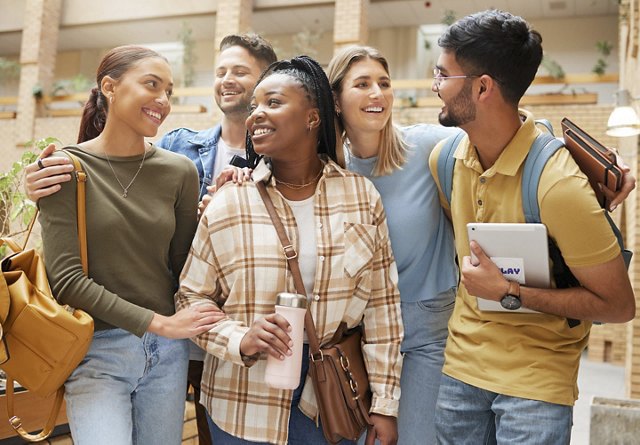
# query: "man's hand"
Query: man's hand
483,279
628,184
43,177
384,428
231,173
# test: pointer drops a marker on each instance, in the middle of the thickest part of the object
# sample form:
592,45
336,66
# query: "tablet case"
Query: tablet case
594,159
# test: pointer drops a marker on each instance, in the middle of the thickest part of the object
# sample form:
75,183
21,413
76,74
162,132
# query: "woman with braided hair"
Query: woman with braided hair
236,262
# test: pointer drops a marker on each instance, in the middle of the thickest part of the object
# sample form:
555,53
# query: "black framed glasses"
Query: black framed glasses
438,78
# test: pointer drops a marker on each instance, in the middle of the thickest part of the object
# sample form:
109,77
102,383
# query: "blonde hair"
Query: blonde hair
392,150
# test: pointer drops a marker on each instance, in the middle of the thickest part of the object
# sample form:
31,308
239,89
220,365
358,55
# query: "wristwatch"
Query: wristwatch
511,301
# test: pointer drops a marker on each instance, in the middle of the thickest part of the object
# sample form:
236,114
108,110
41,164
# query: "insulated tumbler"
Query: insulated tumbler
285,374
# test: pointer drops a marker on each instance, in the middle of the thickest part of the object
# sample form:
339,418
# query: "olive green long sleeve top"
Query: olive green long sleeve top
136,245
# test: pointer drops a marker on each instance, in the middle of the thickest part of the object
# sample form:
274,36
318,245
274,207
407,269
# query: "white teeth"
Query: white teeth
373,109
230,93
259,131
154,114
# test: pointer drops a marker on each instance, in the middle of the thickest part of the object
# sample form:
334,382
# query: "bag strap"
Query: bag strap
15,421
540,152
292,258
81,204
446,163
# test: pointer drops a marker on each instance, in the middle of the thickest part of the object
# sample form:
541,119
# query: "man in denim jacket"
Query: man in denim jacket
240,62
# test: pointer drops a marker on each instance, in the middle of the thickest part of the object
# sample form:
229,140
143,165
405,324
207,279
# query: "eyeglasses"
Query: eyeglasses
438,78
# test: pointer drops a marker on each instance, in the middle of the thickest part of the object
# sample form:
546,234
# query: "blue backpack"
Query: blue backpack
540,152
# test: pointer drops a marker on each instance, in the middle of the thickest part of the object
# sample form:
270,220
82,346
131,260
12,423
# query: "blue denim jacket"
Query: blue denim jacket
199,146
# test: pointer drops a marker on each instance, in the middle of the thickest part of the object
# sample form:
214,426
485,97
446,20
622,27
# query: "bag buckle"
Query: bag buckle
15,422
289,252
314,359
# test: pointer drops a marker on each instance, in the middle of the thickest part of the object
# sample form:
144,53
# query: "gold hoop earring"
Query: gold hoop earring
111,99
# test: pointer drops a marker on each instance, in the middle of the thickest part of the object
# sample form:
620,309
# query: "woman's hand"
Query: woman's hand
384,428
188,322
268,334
44,176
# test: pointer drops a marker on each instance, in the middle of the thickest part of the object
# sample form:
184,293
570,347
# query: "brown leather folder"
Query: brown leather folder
594,159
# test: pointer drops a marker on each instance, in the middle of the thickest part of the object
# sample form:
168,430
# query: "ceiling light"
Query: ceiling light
623,120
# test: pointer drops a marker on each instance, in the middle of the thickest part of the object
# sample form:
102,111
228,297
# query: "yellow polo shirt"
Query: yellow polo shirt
533,356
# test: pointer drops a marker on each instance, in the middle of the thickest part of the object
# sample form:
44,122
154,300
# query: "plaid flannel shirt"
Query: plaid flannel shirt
237,262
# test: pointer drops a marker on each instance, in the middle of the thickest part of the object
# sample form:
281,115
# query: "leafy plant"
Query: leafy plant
189,58
553,68
306,42
448,17
16,210
9,69
77,84
604,49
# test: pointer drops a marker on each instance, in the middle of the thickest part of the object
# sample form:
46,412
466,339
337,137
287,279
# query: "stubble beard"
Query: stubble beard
460,110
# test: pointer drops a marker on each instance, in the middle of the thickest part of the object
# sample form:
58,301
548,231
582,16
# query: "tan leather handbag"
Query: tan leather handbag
337,369
42,341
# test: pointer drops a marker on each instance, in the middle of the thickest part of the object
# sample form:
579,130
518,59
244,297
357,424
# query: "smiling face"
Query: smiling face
140,97
237,72
366,97
456,93
280,119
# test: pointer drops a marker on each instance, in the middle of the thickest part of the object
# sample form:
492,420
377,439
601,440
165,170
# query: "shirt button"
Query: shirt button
321,258
319,225
316,297
479,202
483,180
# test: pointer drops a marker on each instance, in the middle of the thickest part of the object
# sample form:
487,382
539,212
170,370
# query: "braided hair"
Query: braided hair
315,83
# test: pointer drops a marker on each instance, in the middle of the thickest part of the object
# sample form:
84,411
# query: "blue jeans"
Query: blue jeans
466,414
128,390
302,430
425,335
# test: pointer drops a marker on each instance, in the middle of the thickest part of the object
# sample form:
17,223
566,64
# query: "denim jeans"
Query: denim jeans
128,390
466,414
425,336
302,430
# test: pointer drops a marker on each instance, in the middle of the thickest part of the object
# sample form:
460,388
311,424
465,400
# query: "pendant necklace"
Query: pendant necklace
125,190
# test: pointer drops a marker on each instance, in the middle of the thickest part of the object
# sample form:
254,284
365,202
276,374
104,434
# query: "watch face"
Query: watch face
510,302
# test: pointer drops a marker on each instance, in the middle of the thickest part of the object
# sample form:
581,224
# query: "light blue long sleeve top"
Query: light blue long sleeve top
421,235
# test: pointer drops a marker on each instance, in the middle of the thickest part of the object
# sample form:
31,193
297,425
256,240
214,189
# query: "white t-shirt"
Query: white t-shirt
224,155
307,250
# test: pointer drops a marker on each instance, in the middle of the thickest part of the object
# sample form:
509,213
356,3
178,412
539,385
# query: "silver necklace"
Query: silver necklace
125,190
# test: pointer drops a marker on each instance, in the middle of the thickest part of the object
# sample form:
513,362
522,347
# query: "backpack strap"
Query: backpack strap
446,162
546,124
542,149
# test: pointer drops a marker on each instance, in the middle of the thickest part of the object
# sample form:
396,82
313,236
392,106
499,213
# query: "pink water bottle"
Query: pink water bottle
285,374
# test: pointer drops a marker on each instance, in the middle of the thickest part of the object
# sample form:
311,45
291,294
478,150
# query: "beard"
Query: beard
460,110
240,107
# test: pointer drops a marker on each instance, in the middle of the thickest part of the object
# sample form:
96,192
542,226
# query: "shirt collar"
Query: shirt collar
207,137
513,155
263,172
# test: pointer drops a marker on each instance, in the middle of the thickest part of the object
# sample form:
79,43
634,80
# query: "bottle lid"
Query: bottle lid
291,300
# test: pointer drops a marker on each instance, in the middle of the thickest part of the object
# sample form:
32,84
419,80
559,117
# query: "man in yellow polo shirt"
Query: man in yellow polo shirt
511,377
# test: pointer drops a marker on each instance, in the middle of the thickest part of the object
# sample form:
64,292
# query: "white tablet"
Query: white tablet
519,250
